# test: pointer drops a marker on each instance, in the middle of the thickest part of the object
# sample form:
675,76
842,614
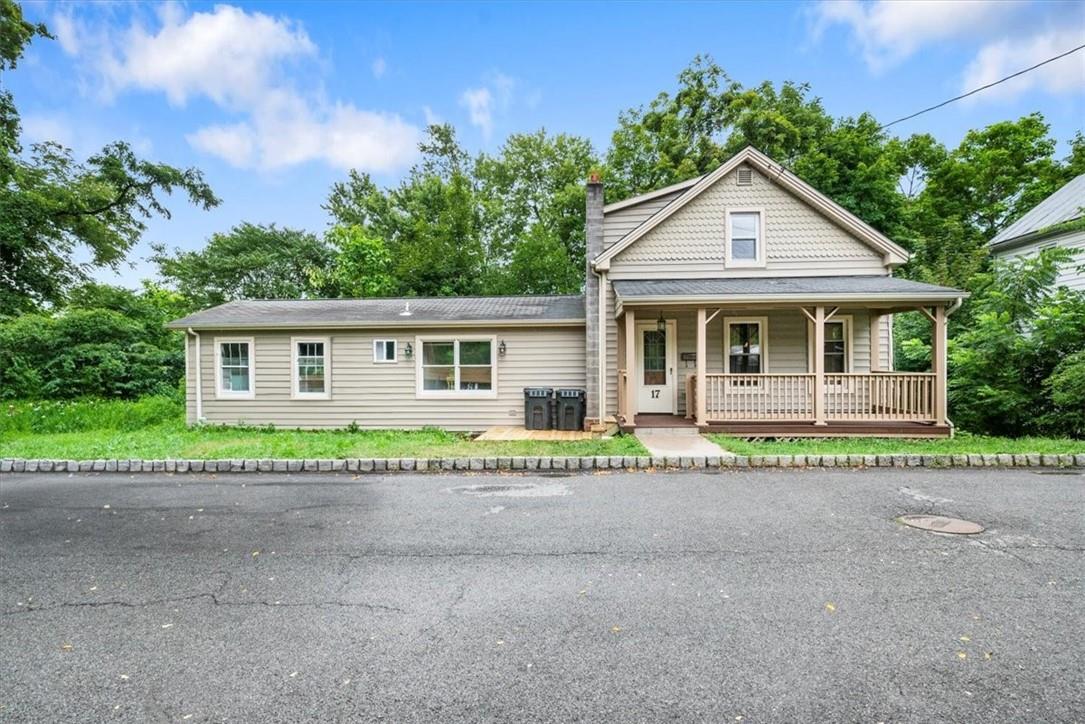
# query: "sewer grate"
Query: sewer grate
941,524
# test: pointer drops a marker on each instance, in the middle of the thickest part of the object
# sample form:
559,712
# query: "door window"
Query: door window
655,357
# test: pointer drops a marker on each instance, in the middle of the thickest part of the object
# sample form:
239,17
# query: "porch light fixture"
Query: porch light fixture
501,348
408,351
661,323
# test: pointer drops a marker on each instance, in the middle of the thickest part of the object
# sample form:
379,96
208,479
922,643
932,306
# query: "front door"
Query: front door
655,367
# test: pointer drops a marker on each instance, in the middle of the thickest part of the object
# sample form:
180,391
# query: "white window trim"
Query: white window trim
383,341
222,394
456,394
849,343
728,322
295,381
745,263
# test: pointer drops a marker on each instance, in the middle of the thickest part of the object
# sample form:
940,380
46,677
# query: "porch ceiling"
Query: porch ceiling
877,291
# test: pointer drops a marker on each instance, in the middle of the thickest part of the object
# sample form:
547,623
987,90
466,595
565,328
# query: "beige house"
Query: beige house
742,301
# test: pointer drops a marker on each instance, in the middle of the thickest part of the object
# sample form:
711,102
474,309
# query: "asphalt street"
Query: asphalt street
732,596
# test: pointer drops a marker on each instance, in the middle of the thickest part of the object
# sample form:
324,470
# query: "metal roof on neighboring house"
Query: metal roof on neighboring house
753,288
427,311
1063,205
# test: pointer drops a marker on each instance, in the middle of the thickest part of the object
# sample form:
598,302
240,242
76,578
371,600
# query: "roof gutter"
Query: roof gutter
356,324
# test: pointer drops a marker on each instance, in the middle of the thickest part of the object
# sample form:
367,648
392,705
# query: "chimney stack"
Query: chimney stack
593,246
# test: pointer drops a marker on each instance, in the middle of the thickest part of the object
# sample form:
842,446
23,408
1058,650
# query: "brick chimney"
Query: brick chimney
593,246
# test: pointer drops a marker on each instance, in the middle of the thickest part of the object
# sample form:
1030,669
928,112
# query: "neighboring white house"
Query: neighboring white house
743,301
1058,220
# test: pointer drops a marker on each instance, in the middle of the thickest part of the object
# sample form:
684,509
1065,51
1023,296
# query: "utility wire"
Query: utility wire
983,87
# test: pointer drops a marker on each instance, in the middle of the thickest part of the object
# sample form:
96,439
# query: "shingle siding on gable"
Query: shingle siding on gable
798,239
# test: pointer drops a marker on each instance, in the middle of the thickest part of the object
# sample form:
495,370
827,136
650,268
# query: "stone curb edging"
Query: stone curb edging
520,464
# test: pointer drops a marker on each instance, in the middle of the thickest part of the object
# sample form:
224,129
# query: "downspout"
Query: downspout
602,347
199,376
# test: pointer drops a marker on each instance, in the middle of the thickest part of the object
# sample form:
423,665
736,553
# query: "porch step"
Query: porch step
685,430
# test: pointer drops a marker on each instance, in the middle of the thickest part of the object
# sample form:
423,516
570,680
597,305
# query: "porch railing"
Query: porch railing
880,396
874,396
623,411
759,397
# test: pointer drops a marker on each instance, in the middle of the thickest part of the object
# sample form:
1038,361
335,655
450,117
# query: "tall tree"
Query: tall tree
251,261
532,195
431,224
52,206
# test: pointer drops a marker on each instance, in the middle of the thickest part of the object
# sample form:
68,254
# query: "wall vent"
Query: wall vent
745,176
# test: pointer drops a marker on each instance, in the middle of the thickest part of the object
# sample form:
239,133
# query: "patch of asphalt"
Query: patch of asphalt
763,594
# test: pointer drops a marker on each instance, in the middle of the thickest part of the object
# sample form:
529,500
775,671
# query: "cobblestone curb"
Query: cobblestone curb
517,464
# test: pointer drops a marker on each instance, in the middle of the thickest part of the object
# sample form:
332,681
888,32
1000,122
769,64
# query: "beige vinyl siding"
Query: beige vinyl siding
799,241
378,395
1069,275
617,224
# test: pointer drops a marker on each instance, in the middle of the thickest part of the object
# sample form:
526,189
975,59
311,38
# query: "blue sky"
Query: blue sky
275,101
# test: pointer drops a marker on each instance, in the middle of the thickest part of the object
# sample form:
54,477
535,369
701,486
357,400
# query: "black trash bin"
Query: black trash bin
537,401
570,412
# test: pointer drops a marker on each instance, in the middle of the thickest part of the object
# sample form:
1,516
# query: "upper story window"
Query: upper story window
235,368
312,368
745,238
456,367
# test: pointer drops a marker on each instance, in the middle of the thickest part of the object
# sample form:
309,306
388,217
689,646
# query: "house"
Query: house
1057,221
742,301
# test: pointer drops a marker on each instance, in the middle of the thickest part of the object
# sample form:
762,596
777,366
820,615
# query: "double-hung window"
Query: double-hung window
837,350
745,238
456,367
745,346
235,368
311,363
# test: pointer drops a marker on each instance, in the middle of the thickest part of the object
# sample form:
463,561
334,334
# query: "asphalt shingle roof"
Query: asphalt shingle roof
383,312
1063,205
776,286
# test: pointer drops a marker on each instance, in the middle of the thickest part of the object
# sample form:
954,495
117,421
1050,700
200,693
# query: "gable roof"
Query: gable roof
640,199
893,253
1062,206
425,311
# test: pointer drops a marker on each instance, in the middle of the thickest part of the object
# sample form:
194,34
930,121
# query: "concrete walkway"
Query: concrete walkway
677,442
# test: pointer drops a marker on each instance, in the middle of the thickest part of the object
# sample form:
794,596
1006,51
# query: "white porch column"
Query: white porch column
875,340
630,367
702,367
819,365
938,364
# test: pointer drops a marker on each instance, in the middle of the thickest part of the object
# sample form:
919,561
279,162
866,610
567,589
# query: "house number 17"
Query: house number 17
655,394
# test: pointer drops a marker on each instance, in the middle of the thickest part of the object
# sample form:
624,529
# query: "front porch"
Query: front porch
754,370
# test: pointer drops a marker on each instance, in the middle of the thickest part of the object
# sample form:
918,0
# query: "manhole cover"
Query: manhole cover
941,524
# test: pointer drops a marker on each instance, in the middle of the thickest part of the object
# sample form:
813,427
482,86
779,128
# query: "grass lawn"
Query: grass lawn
962,443
153,428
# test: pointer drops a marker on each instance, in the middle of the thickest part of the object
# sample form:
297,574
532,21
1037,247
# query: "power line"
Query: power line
984,87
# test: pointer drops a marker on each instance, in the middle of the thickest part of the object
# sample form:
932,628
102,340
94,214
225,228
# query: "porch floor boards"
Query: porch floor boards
771,428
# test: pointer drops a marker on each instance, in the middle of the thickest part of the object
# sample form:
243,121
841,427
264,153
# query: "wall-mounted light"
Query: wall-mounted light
501,348
661,323
408,351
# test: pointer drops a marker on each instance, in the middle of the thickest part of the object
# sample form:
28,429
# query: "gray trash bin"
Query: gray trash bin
570,412
537,403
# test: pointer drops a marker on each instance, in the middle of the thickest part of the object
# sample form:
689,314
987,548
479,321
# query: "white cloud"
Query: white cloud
1000,59
493,97
432,119
889,31
243,63
379,67
67,33
479,103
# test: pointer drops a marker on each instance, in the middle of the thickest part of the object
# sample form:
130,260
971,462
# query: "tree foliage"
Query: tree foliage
109,342
251,261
